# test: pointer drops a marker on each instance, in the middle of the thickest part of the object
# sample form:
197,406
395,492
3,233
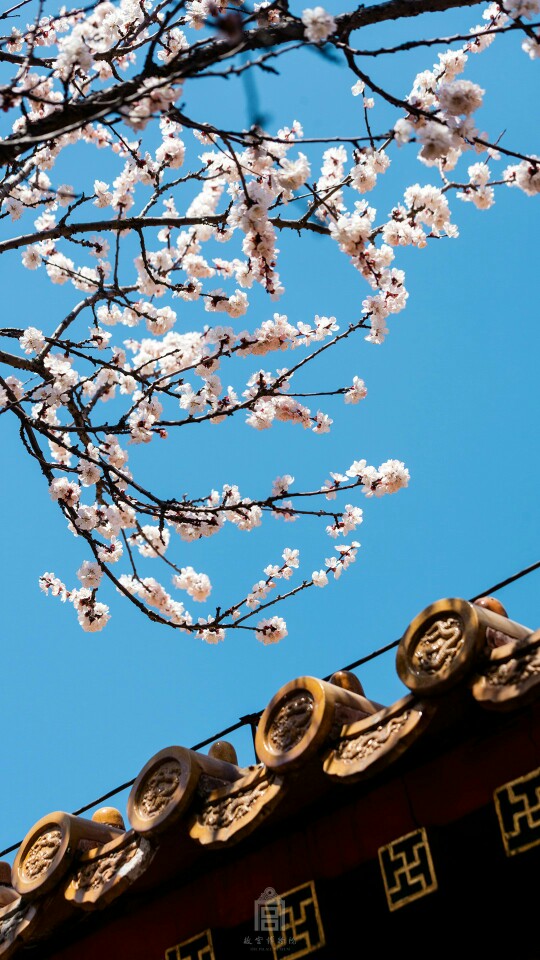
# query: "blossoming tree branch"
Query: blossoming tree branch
191,220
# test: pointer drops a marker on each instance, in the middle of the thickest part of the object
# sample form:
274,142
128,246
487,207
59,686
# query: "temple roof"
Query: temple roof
323,749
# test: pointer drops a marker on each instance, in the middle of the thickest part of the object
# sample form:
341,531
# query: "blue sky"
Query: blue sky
452,392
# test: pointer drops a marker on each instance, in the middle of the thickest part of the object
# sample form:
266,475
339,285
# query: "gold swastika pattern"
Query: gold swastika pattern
407,869
518,809
301,930
197,948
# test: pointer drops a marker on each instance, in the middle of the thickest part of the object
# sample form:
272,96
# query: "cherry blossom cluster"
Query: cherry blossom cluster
441,109
186,223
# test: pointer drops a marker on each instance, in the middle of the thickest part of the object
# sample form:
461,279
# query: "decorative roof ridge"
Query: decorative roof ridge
313,734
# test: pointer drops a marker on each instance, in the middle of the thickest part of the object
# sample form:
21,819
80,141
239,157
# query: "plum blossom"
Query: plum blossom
103,194
196,584
14,208
357,392
90,574
369,165
110,552
65,490
346,556
92,615
152,541
322,423
403,131
531,45
15,390
290,561
32,340
393,476
318,24
320,578
48,582
522,8
209,632
31,258
281,485
437,141
460,97
89,473
525,175
272,630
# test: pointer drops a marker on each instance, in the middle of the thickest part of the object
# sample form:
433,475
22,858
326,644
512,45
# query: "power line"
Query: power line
370,656
251,719
485,593
505,583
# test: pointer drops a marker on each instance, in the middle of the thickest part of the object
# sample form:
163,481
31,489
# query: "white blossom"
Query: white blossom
318,24
49,583
525,175
196,584
31,258
357,392
320,578
460,97
90,574
272,630
32,340
65,490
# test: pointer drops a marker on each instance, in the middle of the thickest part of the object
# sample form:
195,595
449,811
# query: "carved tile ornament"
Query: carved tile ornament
227,810
438,646
518,808
9,926
365,745
514,671
441,645
108,871
158,789
448,639
294,724
41,854
302,717
236,809
407,869
291,721
511,676
102,870
368,745
163,790
50,847
174,780
16,921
